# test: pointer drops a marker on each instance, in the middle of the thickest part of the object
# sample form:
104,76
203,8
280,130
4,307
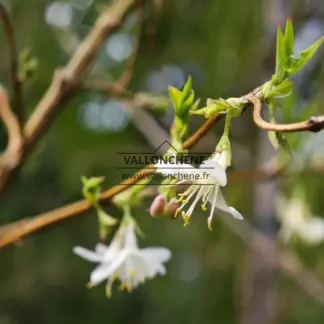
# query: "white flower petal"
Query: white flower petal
87,254
235,213
105,270
130,237
222,205
215,170
101,248
173,169
160,254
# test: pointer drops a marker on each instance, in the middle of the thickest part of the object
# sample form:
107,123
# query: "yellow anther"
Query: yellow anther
177,212
185,201
203,207
108,289
209,220
122,286
186,218
129,287
132,273
89,284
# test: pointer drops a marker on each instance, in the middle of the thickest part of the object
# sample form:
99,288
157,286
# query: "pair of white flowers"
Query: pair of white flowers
208,178
124,260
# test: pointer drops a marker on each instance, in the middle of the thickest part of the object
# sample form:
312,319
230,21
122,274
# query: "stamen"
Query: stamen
89,285
108,287
210,218
187,192
207,193
193,205
186,218
122,286
129,287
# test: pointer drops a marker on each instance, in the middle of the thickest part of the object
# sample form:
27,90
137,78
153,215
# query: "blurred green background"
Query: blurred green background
229,48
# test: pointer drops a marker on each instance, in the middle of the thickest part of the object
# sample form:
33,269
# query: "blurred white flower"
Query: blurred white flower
206,183
124,260
296,220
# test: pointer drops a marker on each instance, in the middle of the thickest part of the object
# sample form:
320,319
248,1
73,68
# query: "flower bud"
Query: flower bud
171,208
158,206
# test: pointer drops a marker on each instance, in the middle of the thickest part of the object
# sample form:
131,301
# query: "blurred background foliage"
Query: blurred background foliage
229,48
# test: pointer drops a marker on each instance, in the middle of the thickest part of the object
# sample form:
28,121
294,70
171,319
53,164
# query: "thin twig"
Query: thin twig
66,80
314,124
15,78
119,87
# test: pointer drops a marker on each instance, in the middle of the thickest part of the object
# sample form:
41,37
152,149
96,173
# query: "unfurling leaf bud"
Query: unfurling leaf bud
105,223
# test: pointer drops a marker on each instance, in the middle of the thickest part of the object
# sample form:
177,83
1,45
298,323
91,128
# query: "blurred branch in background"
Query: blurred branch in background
14,68
286,261
11,156
64,82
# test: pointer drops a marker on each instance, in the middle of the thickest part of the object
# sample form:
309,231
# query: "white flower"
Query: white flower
296,219
206,182
124,260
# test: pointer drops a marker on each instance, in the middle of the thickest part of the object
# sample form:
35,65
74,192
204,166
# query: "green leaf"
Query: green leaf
296,62
289,37
195,105
281,57
282,90
186,92
187,104
213,107
175,96
266,89
106,219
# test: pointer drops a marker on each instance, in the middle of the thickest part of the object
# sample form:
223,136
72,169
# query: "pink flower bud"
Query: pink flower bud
158,206
171,207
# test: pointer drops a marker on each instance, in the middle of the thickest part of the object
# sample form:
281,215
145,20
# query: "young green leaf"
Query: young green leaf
289,37
296,62
106,222
281,57
266,90
186,92
213,107
282,90
175,96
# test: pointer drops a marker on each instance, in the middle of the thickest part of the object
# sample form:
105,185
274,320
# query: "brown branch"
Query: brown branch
118,88
314,124
11,156
15,78
22,228
66,80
